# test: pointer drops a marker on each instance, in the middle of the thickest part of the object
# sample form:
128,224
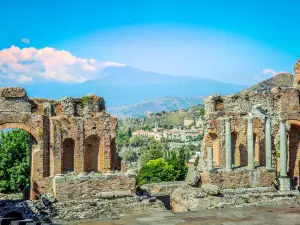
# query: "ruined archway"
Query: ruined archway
68,155
22,140
92,153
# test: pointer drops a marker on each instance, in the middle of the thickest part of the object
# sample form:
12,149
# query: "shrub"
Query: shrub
155,171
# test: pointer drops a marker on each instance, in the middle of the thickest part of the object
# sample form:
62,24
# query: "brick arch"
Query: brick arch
37,169
23,126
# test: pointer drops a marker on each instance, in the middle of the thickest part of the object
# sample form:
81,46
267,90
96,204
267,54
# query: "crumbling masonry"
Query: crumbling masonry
73,134
253,140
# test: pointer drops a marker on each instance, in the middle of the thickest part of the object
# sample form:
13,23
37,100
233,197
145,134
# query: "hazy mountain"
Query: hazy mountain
126,85
280,80
158,105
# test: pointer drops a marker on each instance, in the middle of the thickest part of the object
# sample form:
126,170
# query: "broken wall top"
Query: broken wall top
269,103
14,99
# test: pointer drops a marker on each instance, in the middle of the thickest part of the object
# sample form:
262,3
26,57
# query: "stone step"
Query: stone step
20,222
13,221
6,221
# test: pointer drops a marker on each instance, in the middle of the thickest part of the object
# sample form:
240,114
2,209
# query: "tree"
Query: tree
152,150
156,171
178,160
14,160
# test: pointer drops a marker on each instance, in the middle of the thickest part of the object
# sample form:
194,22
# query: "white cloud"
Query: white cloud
24,79
30,64
25,41
267,74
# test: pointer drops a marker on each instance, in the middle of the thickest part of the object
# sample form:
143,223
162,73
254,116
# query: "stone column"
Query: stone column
210,158
283,156
228,144
284,181
268,144
250,144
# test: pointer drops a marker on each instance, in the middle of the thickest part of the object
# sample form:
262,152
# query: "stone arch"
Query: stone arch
68,155
14,214
37,165
22,126
92,153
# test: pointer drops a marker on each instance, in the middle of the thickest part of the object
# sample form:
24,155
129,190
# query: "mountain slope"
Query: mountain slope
280,80
158,105
126,86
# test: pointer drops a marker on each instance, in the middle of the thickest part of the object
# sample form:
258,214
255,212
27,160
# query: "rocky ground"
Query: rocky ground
210,196
275,215
77,210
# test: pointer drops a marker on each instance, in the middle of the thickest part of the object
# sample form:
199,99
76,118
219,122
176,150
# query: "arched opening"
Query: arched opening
91,153
294,155
68,155
15,215
17,147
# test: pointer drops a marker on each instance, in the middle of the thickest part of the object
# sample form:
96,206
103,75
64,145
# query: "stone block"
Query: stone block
284,184
120,194
47,108
59,178
68,106
12,92
107,195
110,175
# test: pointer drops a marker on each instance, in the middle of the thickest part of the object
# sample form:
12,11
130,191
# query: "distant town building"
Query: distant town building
188,122
176,134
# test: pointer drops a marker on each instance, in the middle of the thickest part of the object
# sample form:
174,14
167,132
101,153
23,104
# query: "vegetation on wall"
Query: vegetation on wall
14,160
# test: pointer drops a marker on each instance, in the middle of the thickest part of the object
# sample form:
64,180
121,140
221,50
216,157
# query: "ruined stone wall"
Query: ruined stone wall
240,178
77,188
60,130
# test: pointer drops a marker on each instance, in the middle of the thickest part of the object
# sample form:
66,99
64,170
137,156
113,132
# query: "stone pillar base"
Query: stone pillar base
284,184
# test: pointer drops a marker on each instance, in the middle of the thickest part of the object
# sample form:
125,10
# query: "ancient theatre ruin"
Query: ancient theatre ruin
253,140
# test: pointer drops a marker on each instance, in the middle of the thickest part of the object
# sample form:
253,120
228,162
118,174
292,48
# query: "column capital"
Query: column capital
227,119
282,120
250,119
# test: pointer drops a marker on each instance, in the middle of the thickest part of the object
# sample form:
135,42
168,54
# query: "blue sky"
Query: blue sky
233,41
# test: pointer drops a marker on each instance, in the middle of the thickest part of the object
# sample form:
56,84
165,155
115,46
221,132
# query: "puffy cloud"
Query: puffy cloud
25,41
31,64
266,74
